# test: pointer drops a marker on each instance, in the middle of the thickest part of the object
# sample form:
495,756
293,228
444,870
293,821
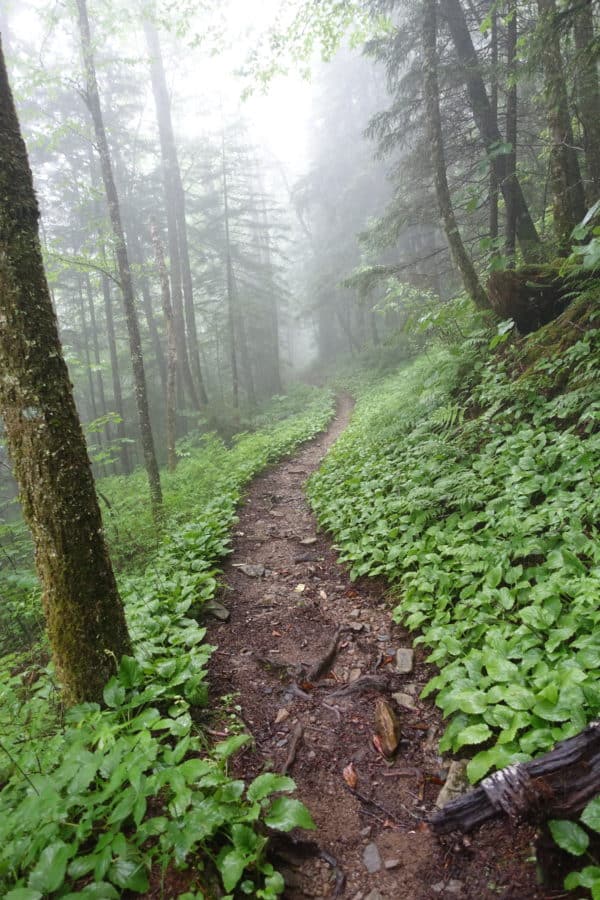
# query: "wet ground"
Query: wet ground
311,659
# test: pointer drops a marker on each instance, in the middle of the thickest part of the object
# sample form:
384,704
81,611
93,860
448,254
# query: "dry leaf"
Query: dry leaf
377,744
300,588
322,595
350,776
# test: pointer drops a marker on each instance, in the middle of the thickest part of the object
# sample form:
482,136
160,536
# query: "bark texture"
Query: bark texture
432,103
114,211
565,175
85,618
588,98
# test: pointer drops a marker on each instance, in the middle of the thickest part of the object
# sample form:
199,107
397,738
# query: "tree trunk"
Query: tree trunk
494,188
512,99
116,377
565,176
96,346
137,254
460,256
139,377
230,283
85,617
487,127
588,99
171,385
179,258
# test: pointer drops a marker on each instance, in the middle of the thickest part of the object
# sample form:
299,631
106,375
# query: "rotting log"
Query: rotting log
558,784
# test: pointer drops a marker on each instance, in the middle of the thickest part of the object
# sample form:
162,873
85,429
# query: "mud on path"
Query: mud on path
289,614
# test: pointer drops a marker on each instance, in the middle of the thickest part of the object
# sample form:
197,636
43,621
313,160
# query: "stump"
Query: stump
531,296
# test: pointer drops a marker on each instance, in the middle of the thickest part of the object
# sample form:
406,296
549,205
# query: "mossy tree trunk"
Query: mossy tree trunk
85,618
565,175
460,256
512,104
114,212
588,97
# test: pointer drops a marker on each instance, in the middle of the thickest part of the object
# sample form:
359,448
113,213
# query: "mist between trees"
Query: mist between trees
203,251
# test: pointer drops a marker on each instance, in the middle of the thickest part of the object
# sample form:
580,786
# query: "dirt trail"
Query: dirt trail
290,615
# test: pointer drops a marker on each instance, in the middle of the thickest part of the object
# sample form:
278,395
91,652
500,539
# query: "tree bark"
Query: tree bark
171,385
135,346
512,101
565,176
116,376
494,188
230,282
484,120
179,258
588,99
85,617
460,256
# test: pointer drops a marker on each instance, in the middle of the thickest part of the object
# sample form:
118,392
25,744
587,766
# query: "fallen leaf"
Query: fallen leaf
300,588
350,776
276,633
377,744
322,595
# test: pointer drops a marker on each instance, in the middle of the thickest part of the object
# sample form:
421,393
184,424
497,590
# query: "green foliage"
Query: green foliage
473,489
575,839
95,799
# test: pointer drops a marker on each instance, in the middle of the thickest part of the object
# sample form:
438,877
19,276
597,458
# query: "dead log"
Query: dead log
556,785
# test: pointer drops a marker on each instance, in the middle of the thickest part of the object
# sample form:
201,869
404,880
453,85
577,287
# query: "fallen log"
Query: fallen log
556,785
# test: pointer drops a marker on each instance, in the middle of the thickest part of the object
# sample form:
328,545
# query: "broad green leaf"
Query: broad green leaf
569,836
591,814
474,734
49,873
231,866
269,783
114,693
287,813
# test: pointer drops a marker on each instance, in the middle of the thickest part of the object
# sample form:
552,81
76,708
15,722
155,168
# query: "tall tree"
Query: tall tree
171,384
588,96
430,62
85,617
485,121
512,100
179,257
565,175
93,101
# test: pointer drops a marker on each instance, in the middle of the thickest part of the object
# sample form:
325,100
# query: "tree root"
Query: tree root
297,736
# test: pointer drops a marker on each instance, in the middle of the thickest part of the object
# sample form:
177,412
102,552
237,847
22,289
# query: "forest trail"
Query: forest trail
289,613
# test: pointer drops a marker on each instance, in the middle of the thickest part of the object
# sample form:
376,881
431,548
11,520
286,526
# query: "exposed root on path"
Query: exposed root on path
308,655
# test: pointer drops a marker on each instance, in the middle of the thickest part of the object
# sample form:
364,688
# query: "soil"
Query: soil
290,615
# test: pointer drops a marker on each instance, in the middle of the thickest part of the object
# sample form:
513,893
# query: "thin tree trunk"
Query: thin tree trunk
588,98
179,261
86,348
512,100
171,386
484,120
116,377
460,256
243,344
84,614
565,176
273,311
96,346
494,187
139,377
231,316
133,241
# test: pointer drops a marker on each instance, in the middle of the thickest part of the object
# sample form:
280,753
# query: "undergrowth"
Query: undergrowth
96,802
470,481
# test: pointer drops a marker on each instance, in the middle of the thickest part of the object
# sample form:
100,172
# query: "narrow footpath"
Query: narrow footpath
312,660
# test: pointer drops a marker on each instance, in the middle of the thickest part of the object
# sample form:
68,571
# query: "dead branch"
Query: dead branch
558,784
326,661
297,736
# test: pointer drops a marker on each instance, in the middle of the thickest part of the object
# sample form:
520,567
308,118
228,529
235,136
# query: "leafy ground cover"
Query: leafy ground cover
469,479
96,802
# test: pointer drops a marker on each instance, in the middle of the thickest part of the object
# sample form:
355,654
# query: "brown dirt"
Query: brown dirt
272,616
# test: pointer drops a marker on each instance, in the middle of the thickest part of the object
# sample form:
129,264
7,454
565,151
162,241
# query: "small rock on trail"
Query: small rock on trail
387,798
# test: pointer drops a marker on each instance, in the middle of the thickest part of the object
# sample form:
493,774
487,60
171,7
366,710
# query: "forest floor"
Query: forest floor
288,596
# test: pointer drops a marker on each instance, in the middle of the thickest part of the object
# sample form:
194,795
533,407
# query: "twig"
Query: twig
294,744
366,683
